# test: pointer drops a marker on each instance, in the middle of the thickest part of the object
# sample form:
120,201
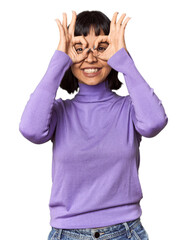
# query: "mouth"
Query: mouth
91,72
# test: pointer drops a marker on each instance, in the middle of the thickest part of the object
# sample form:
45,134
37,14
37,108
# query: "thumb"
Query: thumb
84,54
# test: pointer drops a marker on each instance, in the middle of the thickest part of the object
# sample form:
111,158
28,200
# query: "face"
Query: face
91,62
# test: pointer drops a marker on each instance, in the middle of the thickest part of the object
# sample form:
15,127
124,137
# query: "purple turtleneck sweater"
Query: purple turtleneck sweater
96,138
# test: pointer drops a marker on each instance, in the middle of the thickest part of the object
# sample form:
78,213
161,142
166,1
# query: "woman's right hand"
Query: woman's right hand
68,40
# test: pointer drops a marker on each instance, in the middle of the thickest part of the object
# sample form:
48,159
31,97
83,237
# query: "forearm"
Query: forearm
39,117
147,111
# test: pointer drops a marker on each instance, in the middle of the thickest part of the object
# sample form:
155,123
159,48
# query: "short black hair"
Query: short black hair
84,21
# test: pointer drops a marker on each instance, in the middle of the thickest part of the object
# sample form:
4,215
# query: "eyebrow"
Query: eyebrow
105,42
99,43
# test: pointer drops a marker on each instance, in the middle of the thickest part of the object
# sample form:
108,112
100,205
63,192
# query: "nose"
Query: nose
90,58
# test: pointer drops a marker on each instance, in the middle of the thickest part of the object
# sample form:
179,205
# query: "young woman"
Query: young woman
96,135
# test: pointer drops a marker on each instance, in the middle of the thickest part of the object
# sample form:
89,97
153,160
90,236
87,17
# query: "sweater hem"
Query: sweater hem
96,220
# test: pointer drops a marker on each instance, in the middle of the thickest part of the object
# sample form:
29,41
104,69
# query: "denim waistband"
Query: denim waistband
107,232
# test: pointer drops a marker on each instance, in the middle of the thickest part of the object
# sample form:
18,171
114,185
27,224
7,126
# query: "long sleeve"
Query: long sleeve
147,111
39,117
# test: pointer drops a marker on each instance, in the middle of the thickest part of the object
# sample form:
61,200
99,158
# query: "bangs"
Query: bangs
87,19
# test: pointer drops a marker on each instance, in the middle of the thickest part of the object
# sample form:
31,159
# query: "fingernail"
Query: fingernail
93,47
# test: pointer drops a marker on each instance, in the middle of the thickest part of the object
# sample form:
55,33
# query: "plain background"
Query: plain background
156,39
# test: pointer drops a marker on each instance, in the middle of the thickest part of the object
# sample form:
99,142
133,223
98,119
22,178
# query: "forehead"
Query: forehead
92,32
91,37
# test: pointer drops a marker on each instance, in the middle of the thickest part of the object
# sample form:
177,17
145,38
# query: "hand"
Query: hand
68,40
115,38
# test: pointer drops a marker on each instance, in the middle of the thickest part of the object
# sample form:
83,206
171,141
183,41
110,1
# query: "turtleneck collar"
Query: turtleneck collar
93,93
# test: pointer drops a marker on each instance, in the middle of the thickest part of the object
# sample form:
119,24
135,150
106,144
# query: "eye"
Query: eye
78,50
101,49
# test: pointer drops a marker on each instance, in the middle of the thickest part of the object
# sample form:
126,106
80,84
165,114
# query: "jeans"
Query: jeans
132,230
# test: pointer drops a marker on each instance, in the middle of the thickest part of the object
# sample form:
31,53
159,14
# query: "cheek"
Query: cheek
75,70
108,69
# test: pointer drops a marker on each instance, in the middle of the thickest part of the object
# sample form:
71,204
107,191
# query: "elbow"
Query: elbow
32,136
152,129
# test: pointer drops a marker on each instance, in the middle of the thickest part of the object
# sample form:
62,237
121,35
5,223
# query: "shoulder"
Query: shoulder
60,104
124,99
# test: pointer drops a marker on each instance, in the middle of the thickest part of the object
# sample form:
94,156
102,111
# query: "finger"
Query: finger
102,56
125,22
61,30
64,22
121,19
85,53
81,40
82,56
99,39
95,52
72,24
113,21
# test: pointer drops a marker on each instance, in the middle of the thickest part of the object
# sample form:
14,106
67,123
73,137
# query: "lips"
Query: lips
90,67
91,74
89,70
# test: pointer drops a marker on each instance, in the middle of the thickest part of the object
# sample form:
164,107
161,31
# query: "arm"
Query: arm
39,117
147,112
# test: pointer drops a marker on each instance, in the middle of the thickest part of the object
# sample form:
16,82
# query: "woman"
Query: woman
96,135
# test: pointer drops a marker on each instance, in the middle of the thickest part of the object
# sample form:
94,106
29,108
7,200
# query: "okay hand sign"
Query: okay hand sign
68,40
115,38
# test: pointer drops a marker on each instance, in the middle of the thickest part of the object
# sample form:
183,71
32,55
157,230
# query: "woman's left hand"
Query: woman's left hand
115,38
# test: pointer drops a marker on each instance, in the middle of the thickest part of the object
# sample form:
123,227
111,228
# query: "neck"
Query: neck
93,93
